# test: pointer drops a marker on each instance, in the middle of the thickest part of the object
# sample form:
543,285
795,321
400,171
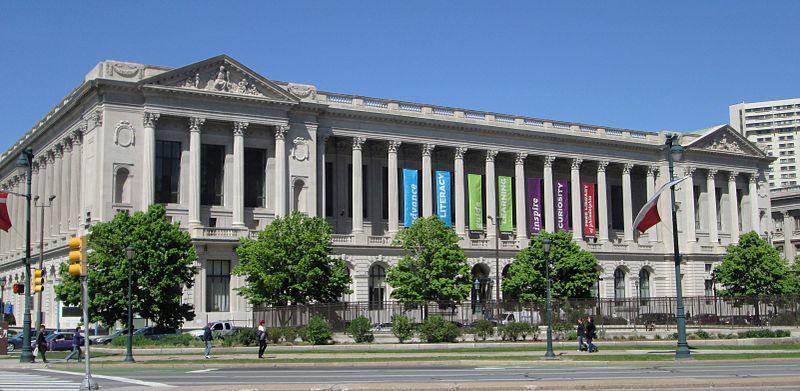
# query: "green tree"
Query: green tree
436,268
291,263
162,269
753,268
572,275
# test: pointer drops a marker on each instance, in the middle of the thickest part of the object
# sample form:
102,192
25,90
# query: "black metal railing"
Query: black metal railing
646,312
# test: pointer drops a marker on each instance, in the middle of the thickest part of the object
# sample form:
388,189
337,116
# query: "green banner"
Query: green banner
505,201
475,202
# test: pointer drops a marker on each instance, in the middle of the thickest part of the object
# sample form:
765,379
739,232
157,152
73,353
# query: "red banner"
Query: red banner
589,213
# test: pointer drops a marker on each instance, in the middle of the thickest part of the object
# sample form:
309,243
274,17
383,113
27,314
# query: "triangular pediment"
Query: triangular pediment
221,75
725,139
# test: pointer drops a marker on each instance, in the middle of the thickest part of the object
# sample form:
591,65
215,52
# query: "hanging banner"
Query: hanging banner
505,198
475,204
535,205
443,197
589,212
411,197
562,205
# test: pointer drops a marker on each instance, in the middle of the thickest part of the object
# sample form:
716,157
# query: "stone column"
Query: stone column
713,234
427,181
519,177
18,217
66,173
627,205
35,217
75,180
322,139
39,190
148,163
733,206
688,200
549,211
491,194
575,197
195,124
602,202
49,225
394,200
788,233
752,194
55,207
280,170
650,185
238,173
358,211
459,191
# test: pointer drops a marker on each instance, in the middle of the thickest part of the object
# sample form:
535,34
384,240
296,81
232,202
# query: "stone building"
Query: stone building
226,150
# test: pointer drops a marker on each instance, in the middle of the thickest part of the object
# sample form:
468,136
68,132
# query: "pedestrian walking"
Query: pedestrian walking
41,343
591,334
77,341
581,333
262,339
207,338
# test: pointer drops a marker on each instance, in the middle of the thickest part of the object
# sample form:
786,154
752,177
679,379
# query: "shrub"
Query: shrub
246,336
502,332
274,334
138,340
515,330
534,333
402,328
289,334
437,329
184,340
560,330
483,329
317,332
359,329
702,334
764,333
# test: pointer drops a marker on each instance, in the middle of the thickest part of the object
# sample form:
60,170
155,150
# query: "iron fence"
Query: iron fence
646,312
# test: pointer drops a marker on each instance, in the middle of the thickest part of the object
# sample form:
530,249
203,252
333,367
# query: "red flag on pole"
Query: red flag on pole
5,221
648,216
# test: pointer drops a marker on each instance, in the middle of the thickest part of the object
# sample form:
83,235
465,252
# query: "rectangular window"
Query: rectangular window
218,281
168,172
349,190
329,189
255,167
709,287
696,207
212,166
718,203
364,192
708,267
617,214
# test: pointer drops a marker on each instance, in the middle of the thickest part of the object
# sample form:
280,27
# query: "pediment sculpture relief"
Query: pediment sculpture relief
222,79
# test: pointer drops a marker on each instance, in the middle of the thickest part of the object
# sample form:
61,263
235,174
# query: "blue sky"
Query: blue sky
643,65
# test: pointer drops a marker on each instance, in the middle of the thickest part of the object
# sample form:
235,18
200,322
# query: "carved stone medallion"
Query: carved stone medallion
124,135
300,149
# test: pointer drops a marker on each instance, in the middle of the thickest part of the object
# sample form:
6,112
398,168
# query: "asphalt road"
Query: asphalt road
775,375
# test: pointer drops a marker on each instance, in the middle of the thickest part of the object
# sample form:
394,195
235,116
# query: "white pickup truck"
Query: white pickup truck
521,316
223,328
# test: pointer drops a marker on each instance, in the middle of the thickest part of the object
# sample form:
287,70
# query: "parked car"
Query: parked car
106,339
704,319
61,340
378,327
15,342
656,318
520,316
221,329
155,333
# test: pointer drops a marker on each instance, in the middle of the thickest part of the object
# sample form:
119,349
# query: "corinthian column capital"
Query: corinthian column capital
149,119
196,123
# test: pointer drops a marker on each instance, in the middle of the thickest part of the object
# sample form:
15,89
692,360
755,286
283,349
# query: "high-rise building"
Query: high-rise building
775,126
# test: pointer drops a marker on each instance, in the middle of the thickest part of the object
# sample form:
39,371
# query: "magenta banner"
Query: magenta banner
562,205
535,205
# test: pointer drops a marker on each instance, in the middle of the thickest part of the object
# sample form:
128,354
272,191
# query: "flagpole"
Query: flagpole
682,350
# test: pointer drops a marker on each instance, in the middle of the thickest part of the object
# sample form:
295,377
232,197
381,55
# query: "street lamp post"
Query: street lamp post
496,222
130,252
40,313
546,248
675,152
25,161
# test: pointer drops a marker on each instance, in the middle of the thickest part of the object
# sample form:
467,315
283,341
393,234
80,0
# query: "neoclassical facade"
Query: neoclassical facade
226,150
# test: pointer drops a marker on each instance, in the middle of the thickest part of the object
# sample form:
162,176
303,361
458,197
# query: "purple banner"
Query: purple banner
535,205
562,205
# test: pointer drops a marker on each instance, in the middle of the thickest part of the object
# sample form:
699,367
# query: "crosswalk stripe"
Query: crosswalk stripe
10,381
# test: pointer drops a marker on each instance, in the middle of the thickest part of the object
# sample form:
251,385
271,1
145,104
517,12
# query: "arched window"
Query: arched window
619,284
122,193
644,285
377,287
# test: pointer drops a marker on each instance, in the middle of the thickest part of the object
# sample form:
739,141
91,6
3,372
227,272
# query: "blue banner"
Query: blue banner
443,208
410,197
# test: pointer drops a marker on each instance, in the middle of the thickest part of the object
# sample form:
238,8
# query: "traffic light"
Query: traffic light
77,256
38,281
19,289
